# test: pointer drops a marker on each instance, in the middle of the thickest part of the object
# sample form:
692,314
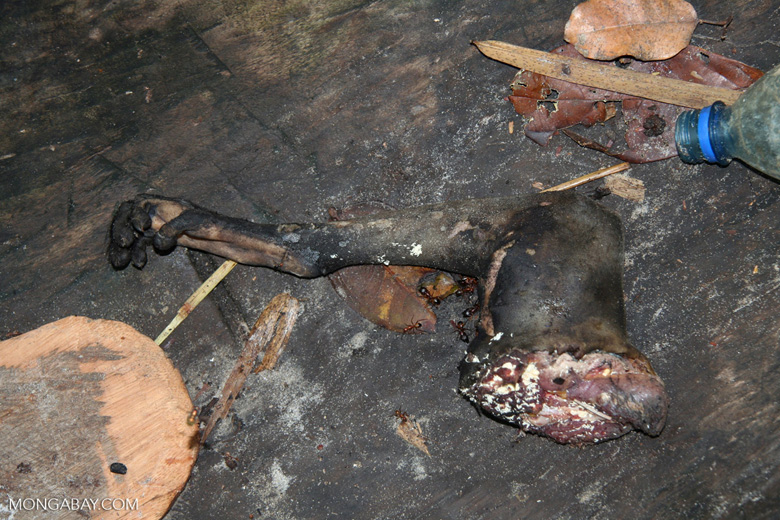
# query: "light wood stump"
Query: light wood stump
79,395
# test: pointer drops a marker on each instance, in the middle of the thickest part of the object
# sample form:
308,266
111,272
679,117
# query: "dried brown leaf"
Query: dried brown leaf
551,104
645,29
386,295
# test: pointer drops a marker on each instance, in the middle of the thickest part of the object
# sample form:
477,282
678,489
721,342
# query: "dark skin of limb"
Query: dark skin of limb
553,358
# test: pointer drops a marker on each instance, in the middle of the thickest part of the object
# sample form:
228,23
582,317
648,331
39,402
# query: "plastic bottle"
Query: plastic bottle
749,130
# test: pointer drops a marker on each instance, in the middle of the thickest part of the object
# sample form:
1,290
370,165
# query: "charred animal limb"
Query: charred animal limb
554,358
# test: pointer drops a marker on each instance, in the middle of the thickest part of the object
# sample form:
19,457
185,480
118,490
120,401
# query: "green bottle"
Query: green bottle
749,130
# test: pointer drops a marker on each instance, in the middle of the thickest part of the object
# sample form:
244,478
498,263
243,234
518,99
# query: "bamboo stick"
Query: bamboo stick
197,297
593,74
598,174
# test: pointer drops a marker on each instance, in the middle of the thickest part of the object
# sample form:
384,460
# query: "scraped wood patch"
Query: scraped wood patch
79,395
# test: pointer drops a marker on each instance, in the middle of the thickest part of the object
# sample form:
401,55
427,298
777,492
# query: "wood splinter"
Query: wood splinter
268,339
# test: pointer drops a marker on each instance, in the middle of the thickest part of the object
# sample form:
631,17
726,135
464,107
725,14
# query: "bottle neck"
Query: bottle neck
703,135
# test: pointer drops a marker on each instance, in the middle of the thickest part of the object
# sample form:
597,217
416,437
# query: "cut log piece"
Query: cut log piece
93,414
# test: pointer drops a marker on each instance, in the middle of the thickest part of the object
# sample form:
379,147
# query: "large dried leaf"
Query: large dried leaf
386,295
551,104
645,29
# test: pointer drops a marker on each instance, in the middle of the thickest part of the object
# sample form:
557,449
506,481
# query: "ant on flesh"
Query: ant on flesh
460,327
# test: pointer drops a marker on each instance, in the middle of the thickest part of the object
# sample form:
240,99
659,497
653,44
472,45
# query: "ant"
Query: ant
402,415
471,311
432,300
413,327
466,285
460,327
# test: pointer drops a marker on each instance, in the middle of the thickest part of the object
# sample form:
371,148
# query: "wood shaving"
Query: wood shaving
411,432
626,187
268,338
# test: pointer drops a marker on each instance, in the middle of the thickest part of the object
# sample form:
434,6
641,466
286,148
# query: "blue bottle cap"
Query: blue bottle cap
704,135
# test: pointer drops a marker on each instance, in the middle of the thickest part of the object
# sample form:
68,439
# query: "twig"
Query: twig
598,174
724,23
197,297
268,338
587,143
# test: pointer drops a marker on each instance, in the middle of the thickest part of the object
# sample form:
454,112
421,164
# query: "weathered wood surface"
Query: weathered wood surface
289,108
79,397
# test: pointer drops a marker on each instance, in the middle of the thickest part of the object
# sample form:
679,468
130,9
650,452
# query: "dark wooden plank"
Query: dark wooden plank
292,108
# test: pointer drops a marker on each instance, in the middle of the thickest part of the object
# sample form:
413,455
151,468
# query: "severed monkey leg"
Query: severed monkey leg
555,359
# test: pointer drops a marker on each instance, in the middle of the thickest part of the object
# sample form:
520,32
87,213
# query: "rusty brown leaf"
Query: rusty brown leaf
645,29
551,104
386,295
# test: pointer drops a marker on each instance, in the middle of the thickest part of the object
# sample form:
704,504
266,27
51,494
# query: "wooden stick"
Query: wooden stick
197,297
598,174
268,337
593,74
